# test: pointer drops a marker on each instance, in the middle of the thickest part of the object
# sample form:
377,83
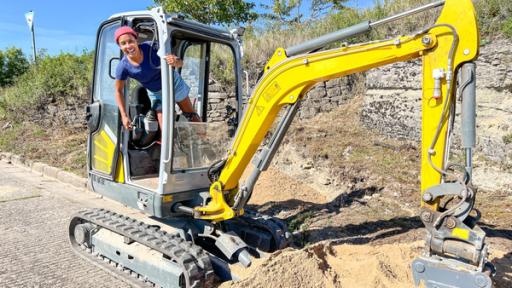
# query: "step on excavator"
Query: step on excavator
187,176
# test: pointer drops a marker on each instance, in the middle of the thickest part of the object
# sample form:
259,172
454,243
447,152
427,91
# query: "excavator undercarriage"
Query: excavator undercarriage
144,253
147,255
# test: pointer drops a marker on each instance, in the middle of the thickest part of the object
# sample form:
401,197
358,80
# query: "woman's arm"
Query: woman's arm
121,105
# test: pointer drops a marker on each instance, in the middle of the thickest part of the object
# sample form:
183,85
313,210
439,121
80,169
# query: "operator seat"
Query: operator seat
144,154
140,103
145,125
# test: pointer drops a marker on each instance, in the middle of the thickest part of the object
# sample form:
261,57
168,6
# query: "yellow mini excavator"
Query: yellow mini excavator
186,175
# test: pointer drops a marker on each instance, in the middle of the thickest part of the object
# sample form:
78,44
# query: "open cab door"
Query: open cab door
102,113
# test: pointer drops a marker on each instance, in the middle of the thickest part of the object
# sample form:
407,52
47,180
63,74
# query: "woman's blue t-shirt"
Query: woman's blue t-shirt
147,72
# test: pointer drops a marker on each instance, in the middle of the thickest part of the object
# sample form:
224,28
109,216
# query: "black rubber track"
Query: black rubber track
193,260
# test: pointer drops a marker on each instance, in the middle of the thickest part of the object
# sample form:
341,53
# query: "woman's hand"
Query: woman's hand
126,122
174,60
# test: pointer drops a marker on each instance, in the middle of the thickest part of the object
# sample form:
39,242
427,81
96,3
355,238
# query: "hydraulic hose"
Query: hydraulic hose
449,83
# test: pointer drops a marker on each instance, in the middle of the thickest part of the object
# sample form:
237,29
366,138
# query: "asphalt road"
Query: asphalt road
34,248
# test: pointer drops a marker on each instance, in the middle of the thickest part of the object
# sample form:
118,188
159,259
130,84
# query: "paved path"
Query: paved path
34,248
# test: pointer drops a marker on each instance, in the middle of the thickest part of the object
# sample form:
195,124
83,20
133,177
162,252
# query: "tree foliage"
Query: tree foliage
290,12
321,7
283,12
212,11
12,64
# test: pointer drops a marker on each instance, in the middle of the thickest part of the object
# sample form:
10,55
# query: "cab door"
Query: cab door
103,114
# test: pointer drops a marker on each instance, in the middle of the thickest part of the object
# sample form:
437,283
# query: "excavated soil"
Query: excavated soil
331,265
347,248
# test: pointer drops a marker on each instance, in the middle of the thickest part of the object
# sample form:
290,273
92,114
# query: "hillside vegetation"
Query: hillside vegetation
38,116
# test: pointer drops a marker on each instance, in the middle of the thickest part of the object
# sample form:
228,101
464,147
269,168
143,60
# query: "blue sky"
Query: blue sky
70,26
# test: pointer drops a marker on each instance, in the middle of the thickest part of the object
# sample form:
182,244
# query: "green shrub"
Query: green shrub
494,17
52,79
507,27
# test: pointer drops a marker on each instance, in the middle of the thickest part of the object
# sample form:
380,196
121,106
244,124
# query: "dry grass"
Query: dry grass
338,141
61,148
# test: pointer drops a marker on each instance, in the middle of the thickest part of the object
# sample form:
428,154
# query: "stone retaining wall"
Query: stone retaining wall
323,97
393,101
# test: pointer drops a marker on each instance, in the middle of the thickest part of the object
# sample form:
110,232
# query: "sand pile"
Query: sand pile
330,265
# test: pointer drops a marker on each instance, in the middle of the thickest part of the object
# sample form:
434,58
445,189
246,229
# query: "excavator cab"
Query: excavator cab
150,167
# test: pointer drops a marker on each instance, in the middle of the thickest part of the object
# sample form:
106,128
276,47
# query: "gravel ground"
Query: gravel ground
34,248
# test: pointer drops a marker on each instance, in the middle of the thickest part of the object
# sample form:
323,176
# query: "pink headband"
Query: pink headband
124,30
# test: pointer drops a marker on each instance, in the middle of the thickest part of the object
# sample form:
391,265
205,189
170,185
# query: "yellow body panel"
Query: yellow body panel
460,233
104,149
287,79
119,178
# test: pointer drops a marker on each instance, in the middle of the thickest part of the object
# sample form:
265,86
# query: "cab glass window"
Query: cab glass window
209,72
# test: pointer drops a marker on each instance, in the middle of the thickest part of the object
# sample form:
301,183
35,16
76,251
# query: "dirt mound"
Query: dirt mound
331,265
374,266
290,268
347,265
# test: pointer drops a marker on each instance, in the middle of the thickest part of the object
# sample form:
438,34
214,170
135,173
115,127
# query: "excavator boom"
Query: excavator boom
453,40
456,252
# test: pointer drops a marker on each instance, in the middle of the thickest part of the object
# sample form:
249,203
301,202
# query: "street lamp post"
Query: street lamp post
30,21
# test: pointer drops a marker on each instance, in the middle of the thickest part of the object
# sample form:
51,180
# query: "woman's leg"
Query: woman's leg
187,107
156,105
159,117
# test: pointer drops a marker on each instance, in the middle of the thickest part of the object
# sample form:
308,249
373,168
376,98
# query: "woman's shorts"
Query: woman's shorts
181,91
156,100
